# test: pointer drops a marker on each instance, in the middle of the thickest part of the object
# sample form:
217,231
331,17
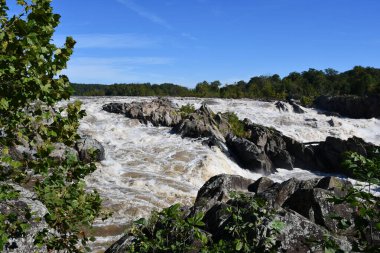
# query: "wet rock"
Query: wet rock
281,106
334,123
90,150
350,106
296,107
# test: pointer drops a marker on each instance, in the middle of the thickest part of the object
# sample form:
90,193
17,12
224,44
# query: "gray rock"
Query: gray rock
334,123
61,152
260,185
90,150
350,106
218,189
158,112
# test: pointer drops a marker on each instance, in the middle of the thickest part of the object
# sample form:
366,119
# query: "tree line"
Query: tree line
303,85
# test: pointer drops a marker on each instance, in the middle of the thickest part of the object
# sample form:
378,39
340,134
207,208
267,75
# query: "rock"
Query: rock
277,194
296,108
281,106
201,124
350,106
61,152
329,155
121,245
159,112
300,235
26,205
260,185
90,150
301,205
334,123
249,155
339,186
217,190
263,151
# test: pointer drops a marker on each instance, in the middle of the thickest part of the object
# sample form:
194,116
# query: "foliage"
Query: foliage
237,126
250,228
187,109
30,87
307,101
367,219
167,231
301,85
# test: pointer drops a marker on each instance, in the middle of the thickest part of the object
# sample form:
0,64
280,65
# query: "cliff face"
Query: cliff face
351,106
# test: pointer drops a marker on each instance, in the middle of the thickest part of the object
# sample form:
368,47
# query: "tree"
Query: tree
30,87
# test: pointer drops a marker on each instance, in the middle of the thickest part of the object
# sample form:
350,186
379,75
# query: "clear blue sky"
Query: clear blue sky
188,41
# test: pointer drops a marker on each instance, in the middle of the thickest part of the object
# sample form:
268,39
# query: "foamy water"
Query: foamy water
148,168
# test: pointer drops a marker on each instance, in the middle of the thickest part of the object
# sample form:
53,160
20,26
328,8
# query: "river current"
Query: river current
149,168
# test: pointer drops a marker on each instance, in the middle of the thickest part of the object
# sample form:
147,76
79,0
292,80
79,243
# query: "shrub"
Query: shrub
30,87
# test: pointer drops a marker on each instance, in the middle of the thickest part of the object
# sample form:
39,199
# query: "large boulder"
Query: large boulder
263,150
249,155
350,106
90,150
218,190
329,155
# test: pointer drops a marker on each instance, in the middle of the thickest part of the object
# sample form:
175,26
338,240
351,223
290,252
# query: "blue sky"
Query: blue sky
188,41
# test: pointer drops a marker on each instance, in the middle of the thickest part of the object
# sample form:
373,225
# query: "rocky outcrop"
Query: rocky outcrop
159,112
350,106
303,207
327,155
254,147
202,123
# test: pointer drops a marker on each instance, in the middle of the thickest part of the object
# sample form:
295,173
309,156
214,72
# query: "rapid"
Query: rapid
149,168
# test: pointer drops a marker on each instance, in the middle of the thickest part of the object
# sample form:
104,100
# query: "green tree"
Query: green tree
30,87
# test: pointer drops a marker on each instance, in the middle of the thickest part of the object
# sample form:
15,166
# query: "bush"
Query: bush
250,227
30,87
237,126
186,110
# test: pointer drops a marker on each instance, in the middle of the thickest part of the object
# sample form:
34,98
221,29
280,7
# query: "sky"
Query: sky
189,41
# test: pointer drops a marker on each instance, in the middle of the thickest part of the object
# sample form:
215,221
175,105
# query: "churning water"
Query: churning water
148,168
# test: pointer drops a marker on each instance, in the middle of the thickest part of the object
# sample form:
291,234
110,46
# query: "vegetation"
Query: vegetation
187,109
237,126
305,86
30,87
366,222
250,227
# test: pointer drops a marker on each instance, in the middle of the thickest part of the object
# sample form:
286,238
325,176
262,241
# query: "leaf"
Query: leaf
239,245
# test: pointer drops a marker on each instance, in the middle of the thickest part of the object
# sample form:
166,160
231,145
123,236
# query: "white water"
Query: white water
148,168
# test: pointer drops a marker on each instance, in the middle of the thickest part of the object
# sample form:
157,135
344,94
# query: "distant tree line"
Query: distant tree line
302,85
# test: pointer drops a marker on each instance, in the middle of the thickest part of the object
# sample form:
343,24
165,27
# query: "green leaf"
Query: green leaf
239,245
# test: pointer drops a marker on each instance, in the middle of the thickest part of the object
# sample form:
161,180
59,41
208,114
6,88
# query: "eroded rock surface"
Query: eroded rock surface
302,206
